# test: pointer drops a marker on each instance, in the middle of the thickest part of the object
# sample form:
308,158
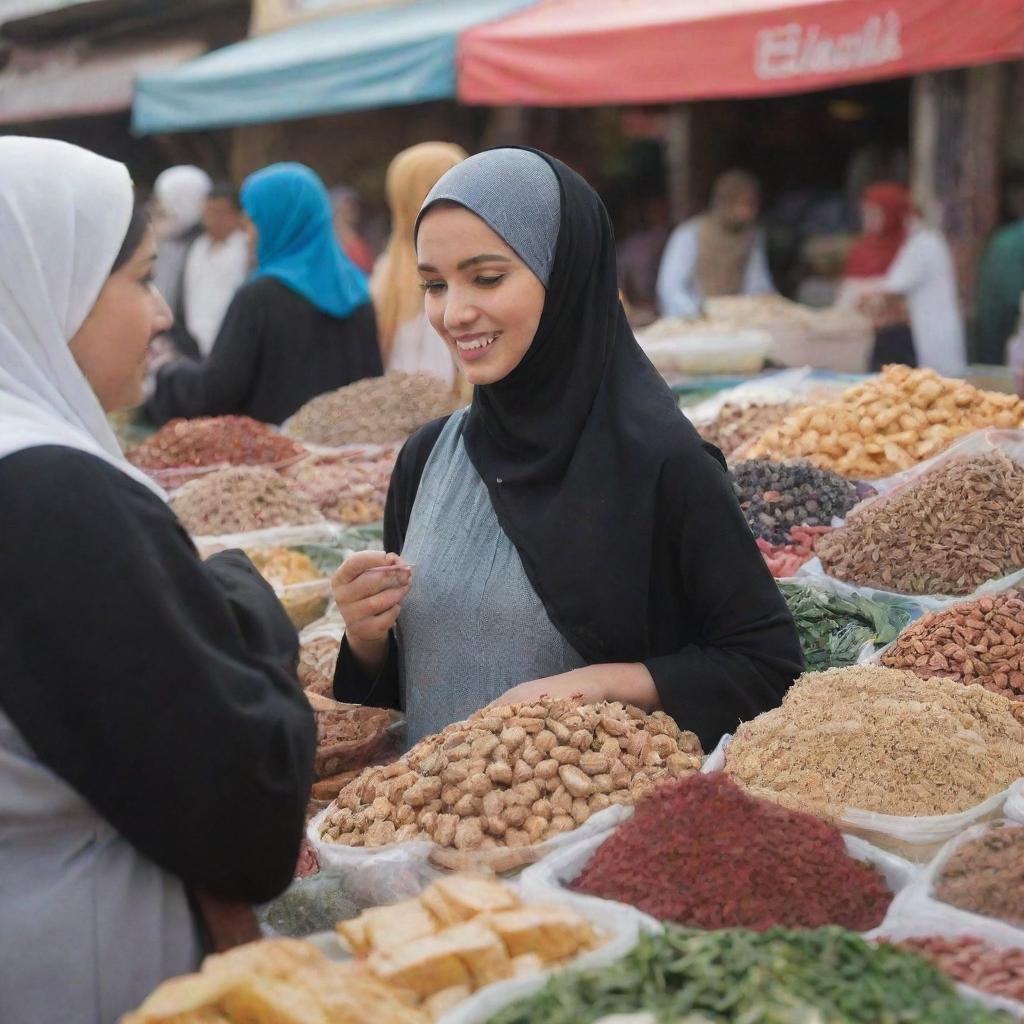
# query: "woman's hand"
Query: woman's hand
629,683
369,588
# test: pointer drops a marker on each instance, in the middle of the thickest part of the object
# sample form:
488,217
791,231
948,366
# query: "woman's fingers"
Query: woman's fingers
368,573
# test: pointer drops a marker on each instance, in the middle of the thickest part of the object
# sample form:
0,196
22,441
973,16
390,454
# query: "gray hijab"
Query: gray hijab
516,193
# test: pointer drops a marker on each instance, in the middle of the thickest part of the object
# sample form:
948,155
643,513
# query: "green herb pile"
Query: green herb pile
833,629
826,976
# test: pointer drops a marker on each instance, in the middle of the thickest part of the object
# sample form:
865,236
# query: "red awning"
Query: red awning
591,52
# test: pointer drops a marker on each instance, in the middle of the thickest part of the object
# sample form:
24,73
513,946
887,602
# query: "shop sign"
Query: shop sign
795,50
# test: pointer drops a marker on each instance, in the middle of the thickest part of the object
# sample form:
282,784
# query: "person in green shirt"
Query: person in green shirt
1000,283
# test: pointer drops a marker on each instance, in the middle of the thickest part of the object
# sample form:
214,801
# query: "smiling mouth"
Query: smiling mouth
481,341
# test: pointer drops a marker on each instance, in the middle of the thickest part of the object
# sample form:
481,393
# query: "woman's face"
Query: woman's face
110,346
481,298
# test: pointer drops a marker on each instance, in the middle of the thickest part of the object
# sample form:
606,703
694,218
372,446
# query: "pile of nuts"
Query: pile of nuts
947,532
513,776
318,658
213,441
376,410
970,961
737,425
984,875
348,489
776,496
887,424
239,500
976,642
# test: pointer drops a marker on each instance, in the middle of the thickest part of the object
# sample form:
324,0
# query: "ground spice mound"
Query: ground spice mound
213,441
703,853
374,410
238,500
878,739
949,531
986,875
976,642
973,962
887,424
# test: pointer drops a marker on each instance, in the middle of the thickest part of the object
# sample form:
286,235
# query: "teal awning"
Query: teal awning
376,58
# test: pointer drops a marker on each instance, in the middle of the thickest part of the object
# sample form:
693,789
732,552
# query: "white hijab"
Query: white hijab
64,212
181,191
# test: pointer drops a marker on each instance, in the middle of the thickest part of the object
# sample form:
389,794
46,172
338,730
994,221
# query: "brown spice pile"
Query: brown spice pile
986,875
238,500
949,531
377,410
976,642
878,739
737,425
887,424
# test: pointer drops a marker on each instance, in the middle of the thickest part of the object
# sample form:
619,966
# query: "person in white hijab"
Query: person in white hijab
179,195
148,702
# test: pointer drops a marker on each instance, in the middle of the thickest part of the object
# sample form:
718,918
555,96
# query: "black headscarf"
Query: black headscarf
572,443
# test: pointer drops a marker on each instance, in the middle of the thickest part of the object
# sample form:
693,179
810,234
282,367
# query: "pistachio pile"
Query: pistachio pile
513,776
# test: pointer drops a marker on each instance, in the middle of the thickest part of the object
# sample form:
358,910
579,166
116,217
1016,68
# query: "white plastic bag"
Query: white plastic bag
618,922
767,389
916,839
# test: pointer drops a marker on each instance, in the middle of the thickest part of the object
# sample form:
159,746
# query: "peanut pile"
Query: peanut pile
238,500
880,740
976,642
947,532
376,410
887,424
513,776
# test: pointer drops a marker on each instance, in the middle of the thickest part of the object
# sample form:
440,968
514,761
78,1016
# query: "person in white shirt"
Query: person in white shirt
216,266
720,252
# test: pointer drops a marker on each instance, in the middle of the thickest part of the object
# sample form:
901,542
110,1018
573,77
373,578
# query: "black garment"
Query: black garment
893,344
274,352
722,645
160,687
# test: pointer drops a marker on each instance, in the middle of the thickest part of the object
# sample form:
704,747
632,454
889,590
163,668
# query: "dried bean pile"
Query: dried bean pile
377,410
824,976
985,875
784,559
947,532
513,776
213,441
887,424
776,496
238,500
969,960
737,425
347,489
881,740
701,852
976,642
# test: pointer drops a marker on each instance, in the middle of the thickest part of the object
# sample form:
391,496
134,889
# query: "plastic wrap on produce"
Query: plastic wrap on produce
767,389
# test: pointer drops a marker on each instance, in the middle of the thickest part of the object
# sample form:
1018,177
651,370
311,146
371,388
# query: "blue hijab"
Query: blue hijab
290,208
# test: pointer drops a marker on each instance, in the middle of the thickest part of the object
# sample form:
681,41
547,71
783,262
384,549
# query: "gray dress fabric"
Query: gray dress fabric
89,926
472,626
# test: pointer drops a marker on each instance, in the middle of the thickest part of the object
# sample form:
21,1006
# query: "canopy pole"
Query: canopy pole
679,160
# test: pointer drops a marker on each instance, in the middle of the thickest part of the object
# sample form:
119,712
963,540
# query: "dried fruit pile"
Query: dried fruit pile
887,424
238,500
737,425
213,441
460,934
284,568
702,852
776,496
376,410
947,532
976,642
824,976
833,629
969,960
785,559
513,776
985,875
318,658
348,489
878,739
348,735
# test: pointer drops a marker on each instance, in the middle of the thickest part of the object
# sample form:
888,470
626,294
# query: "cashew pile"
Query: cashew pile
513,776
